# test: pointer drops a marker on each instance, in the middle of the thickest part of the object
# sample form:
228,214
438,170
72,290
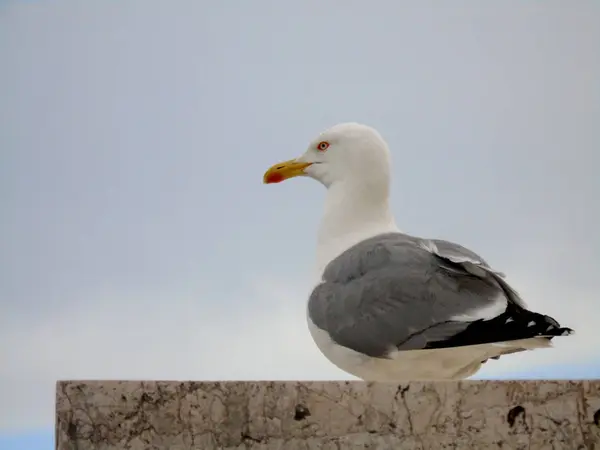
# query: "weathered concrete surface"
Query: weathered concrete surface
535,415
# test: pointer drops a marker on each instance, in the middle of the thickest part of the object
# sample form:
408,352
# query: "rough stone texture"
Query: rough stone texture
173,415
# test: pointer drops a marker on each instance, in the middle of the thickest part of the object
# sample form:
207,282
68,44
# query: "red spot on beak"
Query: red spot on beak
275,178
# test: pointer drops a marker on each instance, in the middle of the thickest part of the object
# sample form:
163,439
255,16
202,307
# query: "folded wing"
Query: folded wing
397,292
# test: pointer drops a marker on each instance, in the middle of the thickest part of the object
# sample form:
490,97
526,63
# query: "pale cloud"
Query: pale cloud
162,336
158,336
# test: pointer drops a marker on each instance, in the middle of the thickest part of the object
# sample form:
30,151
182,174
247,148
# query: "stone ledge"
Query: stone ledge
174,415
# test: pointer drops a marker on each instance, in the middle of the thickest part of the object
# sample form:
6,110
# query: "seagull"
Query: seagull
390,306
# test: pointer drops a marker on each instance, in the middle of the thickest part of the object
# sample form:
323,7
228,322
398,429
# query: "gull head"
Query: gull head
348,153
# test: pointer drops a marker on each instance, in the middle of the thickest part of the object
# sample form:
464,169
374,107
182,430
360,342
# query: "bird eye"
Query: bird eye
323,146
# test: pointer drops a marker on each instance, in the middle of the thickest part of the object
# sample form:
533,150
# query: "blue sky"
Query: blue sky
139,242
34,440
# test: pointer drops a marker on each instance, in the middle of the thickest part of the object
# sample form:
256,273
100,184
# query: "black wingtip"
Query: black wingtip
564,332
509,326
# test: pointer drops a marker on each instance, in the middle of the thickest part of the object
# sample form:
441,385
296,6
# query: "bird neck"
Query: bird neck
352,213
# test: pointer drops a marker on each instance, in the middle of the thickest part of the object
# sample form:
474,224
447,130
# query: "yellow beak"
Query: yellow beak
283,171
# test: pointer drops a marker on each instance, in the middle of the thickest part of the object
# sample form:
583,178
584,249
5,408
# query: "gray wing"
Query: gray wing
396,291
